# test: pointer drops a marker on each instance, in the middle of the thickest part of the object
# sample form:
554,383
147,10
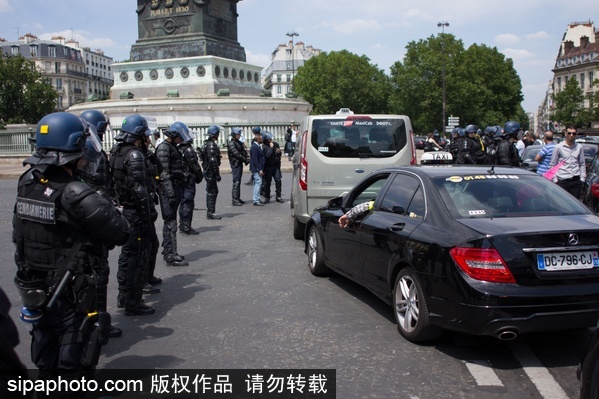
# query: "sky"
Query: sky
527,31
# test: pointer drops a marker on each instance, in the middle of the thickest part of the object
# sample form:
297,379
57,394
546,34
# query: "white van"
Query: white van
334,152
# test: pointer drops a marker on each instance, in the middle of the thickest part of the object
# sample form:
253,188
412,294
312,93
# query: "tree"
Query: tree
330,81
25,95
482,86
569,105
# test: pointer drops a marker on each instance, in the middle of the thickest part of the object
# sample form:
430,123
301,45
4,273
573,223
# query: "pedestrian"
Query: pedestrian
192,175
238,156
507,154
293,140
520,143
255,130
101,181
431,143
171,190
573,172
210,157
543,157
257,161
130,174
57,222
157,139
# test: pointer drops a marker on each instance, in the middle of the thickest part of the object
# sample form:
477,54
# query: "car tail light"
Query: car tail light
482,264
303,166
595,189
414,160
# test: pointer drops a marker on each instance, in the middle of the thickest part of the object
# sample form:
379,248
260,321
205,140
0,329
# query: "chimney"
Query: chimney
584,42
568,46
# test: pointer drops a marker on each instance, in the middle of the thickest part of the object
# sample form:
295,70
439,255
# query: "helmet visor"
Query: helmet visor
91,154
185,136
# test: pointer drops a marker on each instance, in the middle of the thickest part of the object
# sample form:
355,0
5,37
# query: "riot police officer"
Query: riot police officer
238,156
210,157
192,175
507,154
58,221
130,174
470,147
171,190
101,181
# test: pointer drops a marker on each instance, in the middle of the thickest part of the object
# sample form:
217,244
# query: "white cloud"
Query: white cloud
5,6
506,39
540,35
357,25
262,60
517,54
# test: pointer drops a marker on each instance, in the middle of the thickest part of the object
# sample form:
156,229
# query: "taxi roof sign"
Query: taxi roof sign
436,158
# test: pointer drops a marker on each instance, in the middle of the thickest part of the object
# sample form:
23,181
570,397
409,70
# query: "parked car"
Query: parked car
528,157
590,149
481,250
589,194
334,152
419,142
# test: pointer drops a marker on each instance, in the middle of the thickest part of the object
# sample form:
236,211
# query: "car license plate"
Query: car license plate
567,260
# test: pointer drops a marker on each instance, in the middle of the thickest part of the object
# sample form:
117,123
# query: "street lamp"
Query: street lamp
291,35
443,25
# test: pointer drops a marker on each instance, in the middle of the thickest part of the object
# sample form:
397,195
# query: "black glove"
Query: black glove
218,178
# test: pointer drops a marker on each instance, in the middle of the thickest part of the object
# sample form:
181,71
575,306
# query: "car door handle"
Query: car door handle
397,227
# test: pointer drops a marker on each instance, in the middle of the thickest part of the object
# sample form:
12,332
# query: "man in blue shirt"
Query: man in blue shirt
544,156
257,160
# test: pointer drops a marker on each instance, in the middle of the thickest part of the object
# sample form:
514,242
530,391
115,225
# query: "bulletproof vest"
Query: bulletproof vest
210,155
43,229
190,160
120,177
171,160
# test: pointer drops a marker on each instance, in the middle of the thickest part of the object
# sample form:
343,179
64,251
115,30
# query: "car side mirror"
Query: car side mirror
336,202
400,210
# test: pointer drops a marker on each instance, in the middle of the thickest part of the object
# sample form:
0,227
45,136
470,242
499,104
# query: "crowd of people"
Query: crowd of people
75,203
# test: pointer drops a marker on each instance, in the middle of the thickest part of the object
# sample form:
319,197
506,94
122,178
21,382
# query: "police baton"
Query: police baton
63,282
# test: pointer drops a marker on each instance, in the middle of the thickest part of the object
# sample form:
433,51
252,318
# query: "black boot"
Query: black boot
278,191
235,193
211,207
171,260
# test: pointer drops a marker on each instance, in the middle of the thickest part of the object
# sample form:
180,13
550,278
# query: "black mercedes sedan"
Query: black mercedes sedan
481,250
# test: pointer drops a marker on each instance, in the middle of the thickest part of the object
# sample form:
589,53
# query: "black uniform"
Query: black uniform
171,189
507,154
154,169
238,156
130,174
469,150
210,157
192,175
57,224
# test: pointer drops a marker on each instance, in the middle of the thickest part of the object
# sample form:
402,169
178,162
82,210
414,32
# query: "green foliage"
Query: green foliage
330,81
569,105
481,85
593,111
25,96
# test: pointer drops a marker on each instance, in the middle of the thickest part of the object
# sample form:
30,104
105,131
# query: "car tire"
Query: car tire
298,229
411,310
316,254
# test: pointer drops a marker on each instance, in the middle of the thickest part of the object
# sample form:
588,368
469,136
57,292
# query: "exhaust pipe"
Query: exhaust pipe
508,334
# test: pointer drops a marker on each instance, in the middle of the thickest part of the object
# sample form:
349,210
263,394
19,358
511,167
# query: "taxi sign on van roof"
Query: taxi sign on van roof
344,111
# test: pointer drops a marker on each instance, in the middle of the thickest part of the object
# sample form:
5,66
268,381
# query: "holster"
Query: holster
33,292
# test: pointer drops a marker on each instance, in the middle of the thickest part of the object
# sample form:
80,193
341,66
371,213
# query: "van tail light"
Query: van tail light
482,264
414,160
303,166
595,189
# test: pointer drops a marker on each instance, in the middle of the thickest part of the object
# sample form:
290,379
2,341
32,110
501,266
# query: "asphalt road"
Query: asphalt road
248,300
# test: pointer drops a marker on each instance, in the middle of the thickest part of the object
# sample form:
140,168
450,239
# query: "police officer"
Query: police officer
171,190
58,221
469,147
272,167
130,174
238,156
154,170
192,175
507,154
101,181
210,157
454,145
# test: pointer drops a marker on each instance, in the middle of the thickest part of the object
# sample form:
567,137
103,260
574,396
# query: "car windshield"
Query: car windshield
530,153
491,196
359,136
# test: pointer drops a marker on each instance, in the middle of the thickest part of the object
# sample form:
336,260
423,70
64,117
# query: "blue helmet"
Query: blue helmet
511,127
257,130
490,131
213,131
471,129
97,120
462,132
266,136
236,130
60,138
455,131
179,129
135,125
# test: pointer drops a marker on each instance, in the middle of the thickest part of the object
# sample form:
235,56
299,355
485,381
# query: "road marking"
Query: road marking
483,373
538,374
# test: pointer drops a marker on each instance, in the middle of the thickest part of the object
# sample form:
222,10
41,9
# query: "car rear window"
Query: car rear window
491,195
358,136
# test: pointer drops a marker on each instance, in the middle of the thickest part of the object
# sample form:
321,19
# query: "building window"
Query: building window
288,65
279,78
33,49
57,67
582,81
288,77
279,89
52,51
559,84
14,50
58,83
60,102
591,79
